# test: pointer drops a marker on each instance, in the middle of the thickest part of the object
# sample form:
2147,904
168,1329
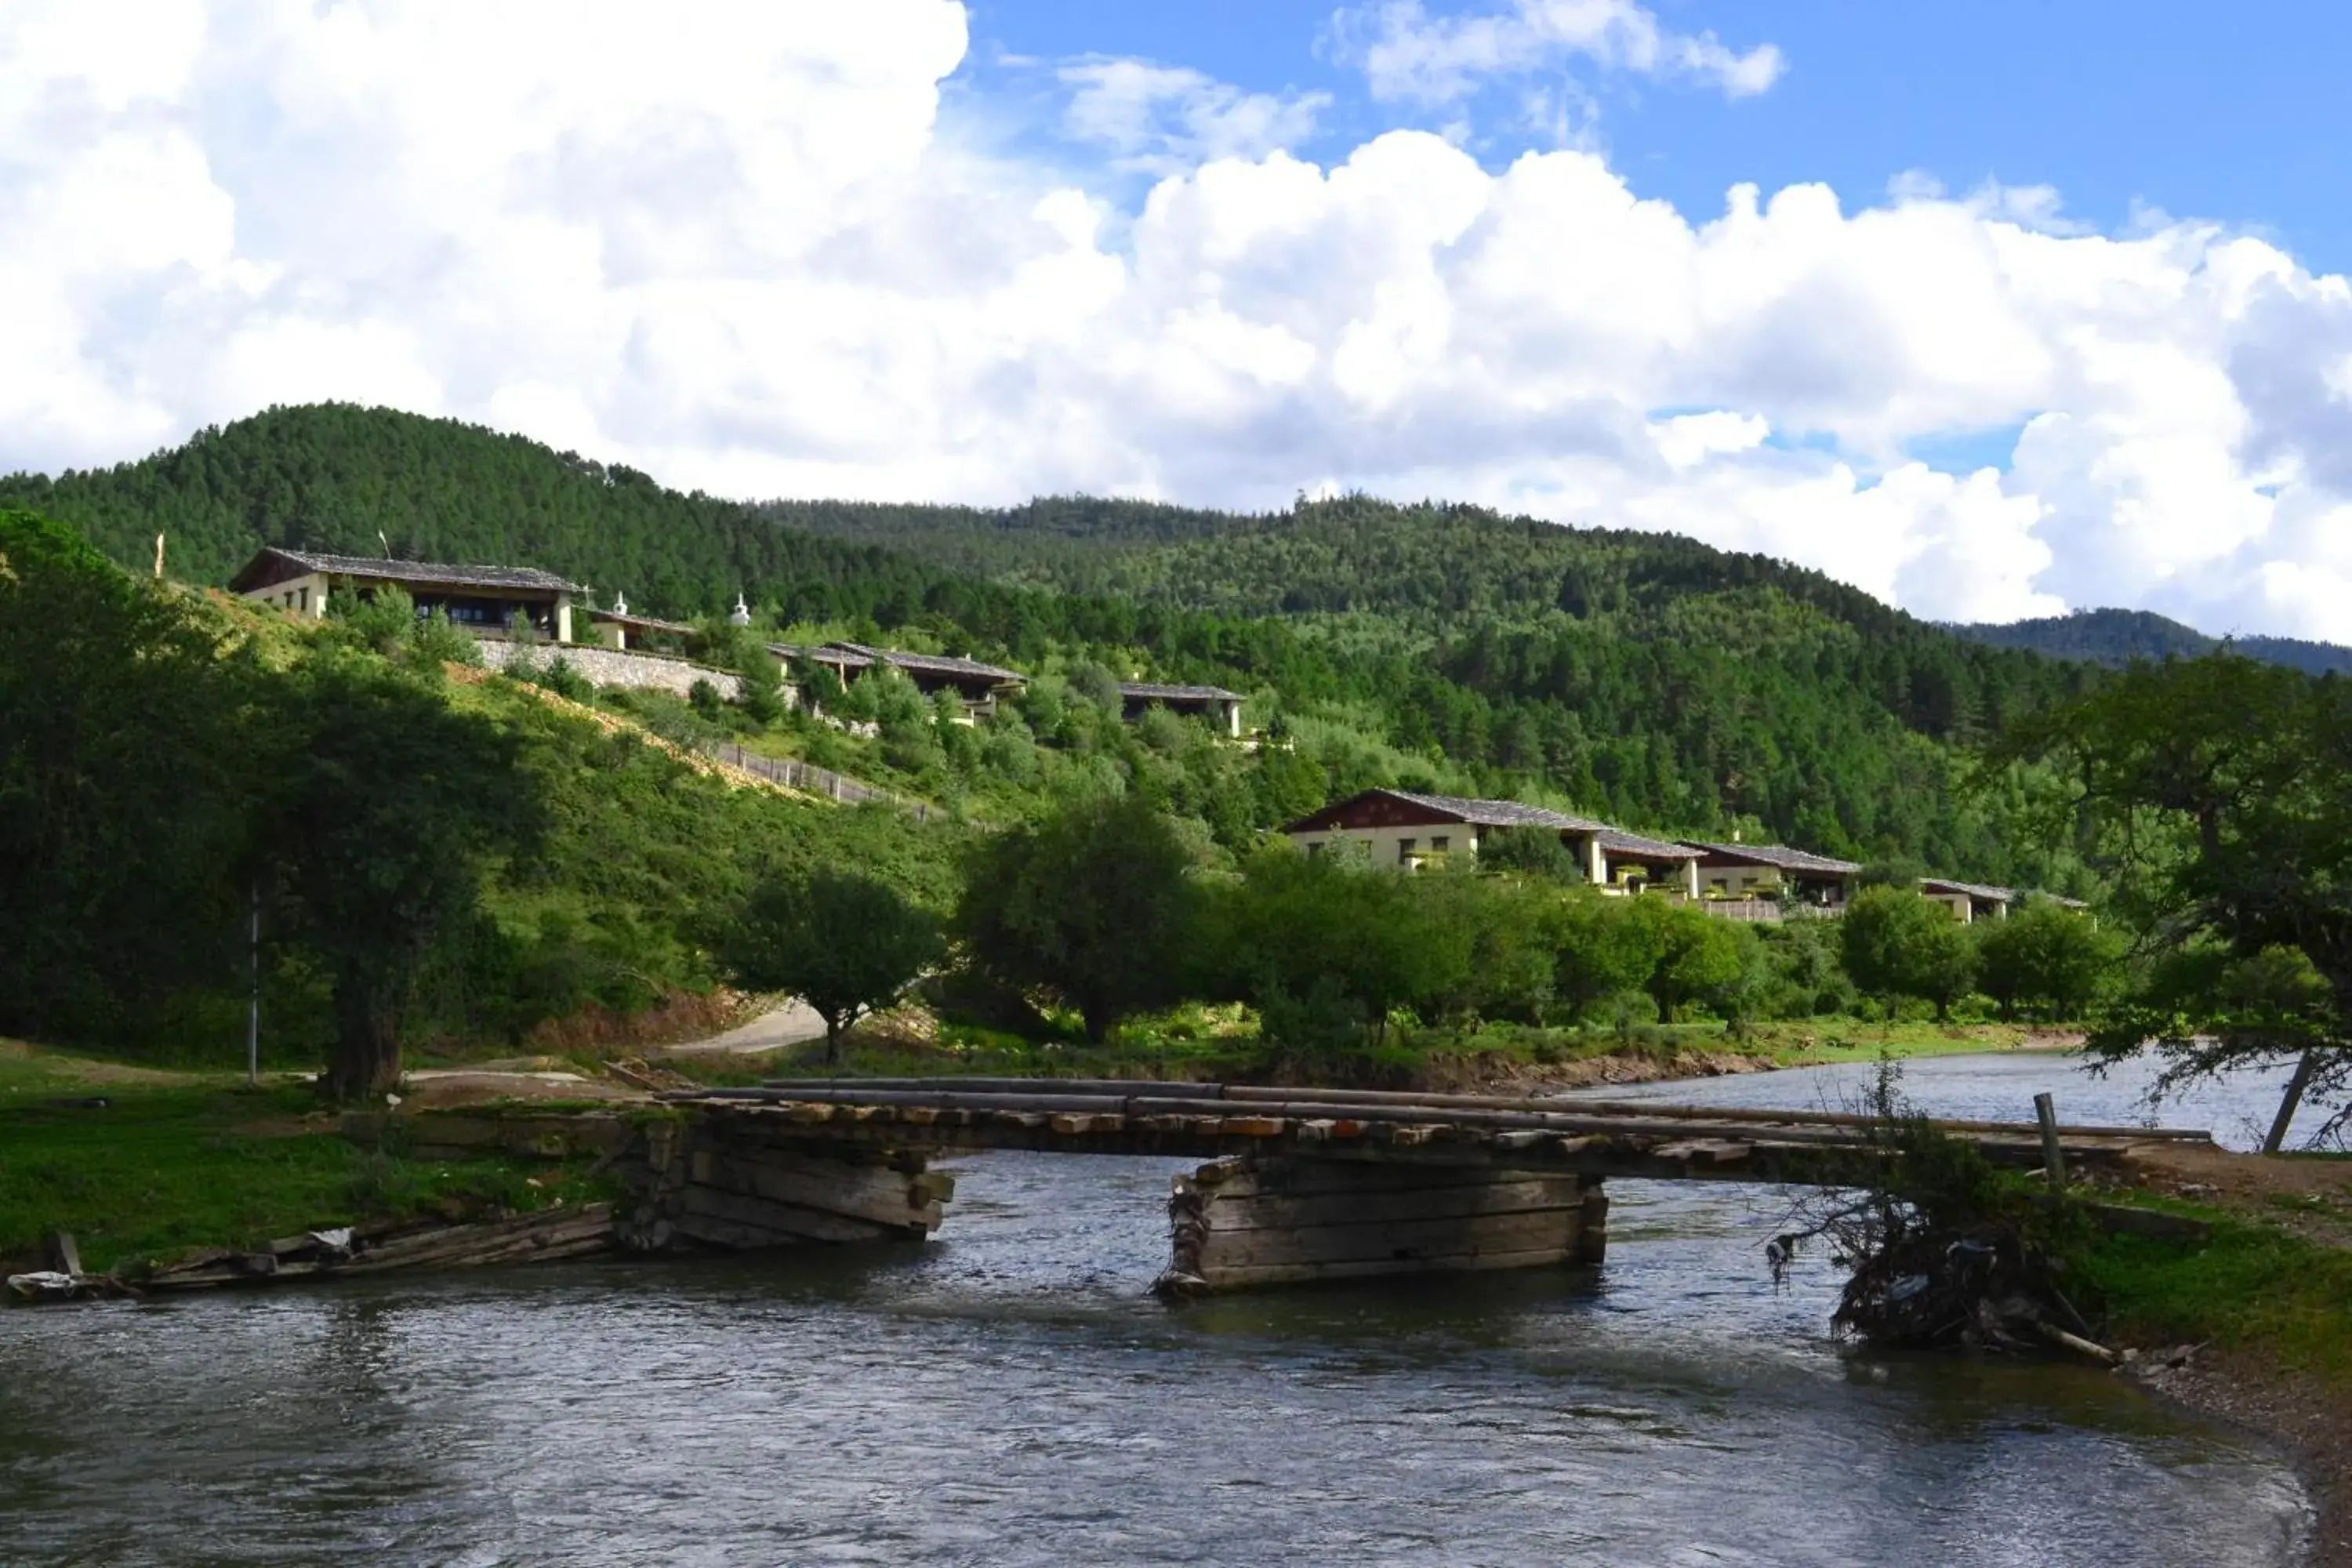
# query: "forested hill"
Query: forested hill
1646,677
2118,637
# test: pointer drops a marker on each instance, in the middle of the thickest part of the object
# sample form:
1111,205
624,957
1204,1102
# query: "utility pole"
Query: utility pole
253,1003
159,558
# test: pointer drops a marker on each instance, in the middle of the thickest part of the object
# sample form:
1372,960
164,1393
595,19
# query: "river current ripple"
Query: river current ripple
1009,1395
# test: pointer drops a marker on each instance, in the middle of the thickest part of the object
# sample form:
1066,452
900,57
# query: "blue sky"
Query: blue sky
2239,113
2017,307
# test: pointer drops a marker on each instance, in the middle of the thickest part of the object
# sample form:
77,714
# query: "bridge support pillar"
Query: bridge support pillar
1236,1224
733,1185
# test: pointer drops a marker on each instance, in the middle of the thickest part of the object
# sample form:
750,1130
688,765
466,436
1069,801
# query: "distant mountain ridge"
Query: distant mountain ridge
2114,637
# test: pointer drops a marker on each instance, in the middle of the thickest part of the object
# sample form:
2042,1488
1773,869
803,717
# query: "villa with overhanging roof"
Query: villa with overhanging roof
1738,870
1410,830
483,600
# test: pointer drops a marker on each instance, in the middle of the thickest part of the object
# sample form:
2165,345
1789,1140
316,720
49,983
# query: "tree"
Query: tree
1090,903
1603,946
1899,943
846,945
2047,955
2212,791
1700,956
1326,946
128,759
390,805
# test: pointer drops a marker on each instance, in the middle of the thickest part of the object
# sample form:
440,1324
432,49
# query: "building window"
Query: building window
1404,851
1441,844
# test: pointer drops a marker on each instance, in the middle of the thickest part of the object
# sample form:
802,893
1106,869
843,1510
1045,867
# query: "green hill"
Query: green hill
1644,678
2118,637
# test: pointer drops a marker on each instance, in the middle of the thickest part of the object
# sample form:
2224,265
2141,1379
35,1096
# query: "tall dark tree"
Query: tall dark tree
2215,788
391,806
1091,904
126,764
844,944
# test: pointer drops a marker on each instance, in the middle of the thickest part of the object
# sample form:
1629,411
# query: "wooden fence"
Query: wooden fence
794,774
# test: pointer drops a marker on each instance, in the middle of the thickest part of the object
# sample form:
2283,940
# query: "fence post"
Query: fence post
2053,1158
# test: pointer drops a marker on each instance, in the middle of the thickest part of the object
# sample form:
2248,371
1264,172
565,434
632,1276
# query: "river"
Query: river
1009,1395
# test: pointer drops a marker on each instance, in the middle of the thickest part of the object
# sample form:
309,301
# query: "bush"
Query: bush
844,944
1090,903
1899,943
2046,957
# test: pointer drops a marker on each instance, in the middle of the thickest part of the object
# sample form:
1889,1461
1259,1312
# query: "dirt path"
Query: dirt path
789,1025
2312,1198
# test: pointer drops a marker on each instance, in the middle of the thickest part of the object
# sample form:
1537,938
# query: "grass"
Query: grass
174,1160
2248,1288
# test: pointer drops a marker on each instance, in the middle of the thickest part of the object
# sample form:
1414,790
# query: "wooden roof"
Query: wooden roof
1448,808
1787,860
1151,691
438,573
1947,887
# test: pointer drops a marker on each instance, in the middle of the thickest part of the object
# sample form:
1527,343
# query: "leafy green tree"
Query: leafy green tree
389,807
1090,903
2046,956
846,944
1700,957
1897,942
1603,946
1326,946
2213,791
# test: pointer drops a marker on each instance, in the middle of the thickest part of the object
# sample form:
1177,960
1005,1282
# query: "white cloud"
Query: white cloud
1163,117
1407,53
737,247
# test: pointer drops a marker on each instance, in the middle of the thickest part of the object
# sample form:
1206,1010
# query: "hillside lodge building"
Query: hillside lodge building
1412,832
486,601
1398,827
483,600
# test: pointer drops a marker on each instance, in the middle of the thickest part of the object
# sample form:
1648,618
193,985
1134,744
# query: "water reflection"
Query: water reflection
1009,1395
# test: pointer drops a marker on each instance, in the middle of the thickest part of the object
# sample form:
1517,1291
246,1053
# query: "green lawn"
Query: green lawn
2248,1287
174,1160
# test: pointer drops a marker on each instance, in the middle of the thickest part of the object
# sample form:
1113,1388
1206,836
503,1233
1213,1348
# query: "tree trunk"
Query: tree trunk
2291,1099
834,1028
364,1063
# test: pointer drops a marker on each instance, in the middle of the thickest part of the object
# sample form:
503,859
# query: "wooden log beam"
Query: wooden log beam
1259,1094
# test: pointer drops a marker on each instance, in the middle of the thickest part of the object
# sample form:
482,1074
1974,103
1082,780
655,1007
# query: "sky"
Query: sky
1992,311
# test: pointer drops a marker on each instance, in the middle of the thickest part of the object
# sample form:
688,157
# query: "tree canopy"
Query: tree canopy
2213,792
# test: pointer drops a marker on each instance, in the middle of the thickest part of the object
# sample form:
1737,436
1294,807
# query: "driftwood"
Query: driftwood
518,1238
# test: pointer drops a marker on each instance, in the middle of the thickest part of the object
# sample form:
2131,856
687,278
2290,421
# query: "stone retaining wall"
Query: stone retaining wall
612,666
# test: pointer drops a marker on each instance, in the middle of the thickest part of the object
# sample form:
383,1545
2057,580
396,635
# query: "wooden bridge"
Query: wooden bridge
1300,1184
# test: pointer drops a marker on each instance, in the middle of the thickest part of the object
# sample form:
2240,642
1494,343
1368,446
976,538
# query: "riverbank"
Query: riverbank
139,1164
2265,1316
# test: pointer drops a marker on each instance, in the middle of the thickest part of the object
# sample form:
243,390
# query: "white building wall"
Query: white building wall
1387,845
304,595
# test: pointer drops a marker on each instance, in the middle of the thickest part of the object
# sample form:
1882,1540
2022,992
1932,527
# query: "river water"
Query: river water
1009,1395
